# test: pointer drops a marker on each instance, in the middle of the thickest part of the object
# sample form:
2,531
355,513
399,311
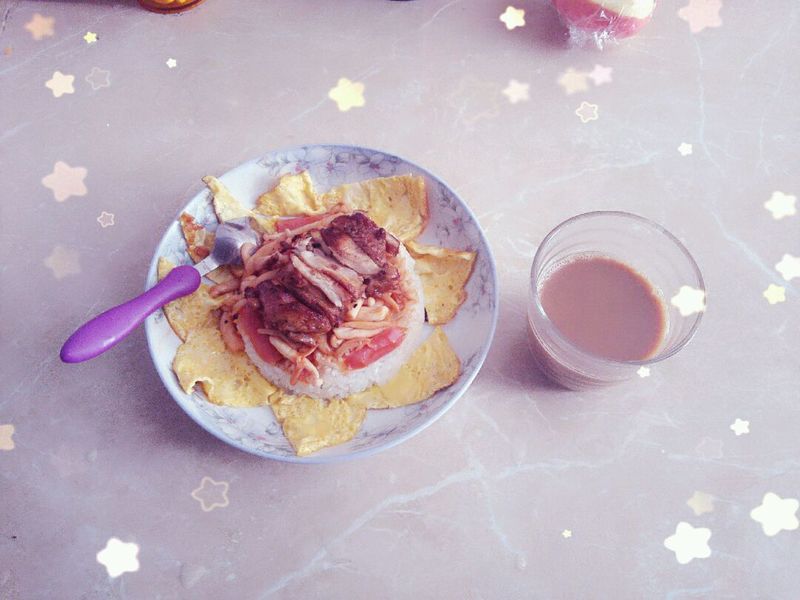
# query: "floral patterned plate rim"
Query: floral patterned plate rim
451,224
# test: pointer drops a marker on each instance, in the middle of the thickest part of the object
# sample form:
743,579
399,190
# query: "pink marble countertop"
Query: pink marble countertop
522,490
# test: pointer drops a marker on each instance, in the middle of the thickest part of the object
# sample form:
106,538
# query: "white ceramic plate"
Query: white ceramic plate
452,224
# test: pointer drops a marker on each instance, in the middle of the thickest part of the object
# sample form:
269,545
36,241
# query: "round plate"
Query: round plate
452,224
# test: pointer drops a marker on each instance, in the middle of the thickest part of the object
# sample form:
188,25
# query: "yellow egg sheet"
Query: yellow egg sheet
293,195
192,312
227,207
444,274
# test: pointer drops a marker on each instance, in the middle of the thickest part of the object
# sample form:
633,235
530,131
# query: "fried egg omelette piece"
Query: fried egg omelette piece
433,366
227,207
444,273
293,195
192,312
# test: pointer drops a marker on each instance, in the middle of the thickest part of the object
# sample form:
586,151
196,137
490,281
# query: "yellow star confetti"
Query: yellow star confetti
775,293
600,74
119,557
211,494
8,50
105,219
573,81
566,534
643,372
776,514
516,91
63,262
701,14
587,112
40,27
789,267
701,503
689,300
740,427
781,205
685,149
513,17
60,84
90,37
689,542
65,181
171,63
347,94
6,437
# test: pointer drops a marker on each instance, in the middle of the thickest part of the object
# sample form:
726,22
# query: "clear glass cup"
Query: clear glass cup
635,241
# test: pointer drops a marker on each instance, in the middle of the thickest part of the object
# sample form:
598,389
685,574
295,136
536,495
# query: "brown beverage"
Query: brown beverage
605,308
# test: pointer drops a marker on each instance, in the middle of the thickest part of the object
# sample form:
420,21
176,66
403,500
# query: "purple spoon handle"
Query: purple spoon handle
114,325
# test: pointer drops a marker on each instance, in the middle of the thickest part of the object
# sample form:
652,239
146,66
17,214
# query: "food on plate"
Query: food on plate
325,317
444,273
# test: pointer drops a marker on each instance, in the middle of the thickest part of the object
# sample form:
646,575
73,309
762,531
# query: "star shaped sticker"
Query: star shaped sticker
105,219
643,371
689,300
685,149
347,94
119,557
513,17
6,437
701,503
65,181
781,205
566,534
701,14
600,74
775,293
211,494
90,37
709,449
171,63
776,514
63,261
516,91
573,81
99,78
60,84
8,50
789,267
40,27
689,542
740,427
587,112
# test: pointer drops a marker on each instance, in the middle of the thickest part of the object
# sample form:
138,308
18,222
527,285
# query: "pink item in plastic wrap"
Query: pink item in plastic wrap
600,21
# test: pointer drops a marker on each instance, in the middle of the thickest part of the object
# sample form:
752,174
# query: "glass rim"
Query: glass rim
537,258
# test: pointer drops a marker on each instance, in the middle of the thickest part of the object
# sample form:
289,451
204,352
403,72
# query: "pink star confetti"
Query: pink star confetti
516,91
40,27
587,112
701,14
63,262
6,437
513,17
600,74
347,94
211,494
105,219
60,84
66,181
99,78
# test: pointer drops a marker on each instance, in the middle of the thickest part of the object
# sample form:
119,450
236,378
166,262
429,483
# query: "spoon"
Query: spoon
111,327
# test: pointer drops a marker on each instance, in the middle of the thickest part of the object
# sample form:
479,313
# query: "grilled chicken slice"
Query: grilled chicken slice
284,312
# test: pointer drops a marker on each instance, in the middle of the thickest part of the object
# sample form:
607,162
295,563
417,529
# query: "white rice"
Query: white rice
336,383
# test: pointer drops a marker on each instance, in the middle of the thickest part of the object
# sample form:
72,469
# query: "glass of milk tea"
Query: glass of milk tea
611,293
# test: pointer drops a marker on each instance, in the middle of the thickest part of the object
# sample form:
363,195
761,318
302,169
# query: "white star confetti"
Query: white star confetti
40,27
701,14
347,94
211,494
573,81
566,534
587,112
60,84
740,427
600,74
98,78
775,293
776,514
171,63
685,149
643,372
119,557
689,542
789,267
63,262
66,181
105,219
513,17
6,437
701,503
90,37
781,205
516,91
689,300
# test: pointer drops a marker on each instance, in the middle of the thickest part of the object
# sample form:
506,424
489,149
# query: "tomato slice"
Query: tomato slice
249,324
295,222
378,347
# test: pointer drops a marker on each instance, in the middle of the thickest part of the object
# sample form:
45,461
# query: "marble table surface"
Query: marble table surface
680,484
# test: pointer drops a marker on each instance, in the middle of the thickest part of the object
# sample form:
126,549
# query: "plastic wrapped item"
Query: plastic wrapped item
598,22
